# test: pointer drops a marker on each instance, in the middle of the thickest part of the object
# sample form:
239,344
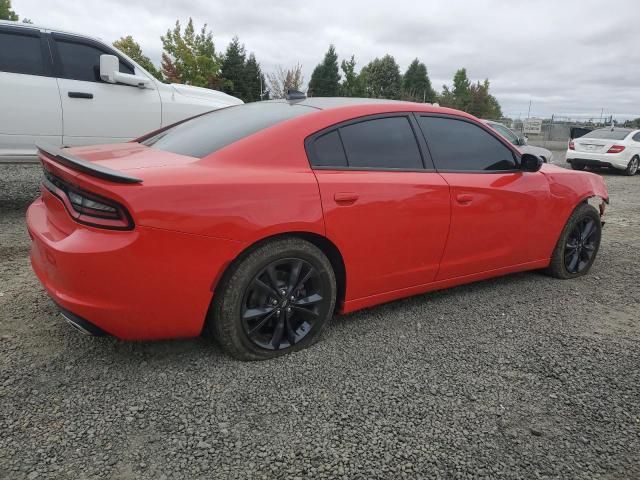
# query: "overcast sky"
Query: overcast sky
566,57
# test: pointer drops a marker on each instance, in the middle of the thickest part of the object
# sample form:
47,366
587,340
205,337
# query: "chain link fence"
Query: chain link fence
555,132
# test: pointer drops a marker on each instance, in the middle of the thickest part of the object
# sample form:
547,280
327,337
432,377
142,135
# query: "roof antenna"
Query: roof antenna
295,95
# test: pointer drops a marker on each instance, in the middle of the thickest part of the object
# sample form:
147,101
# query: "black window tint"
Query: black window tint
21,54
205,134
82,62
381,143
636,137
460,145
329,151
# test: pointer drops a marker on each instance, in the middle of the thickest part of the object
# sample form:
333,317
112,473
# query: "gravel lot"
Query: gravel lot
519,377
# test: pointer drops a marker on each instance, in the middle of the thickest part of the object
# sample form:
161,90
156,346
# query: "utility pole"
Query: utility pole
261,90
529,112
601,112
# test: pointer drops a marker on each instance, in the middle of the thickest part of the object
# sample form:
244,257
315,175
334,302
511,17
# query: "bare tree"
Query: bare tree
282,80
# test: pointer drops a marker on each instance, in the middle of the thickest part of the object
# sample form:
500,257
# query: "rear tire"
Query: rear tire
578,244
632,167
276,300
577,166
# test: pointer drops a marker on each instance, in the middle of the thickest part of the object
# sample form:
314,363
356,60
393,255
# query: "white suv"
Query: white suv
69,89
617,148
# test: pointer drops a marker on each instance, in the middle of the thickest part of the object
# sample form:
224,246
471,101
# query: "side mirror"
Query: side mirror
110,73
530,162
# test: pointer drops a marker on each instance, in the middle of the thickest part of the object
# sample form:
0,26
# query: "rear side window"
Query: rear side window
21,53
459,145
381,143
207,133
329,151
82,62
636,137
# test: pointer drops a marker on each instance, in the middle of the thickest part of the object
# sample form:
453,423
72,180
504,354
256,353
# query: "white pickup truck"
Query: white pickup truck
69,89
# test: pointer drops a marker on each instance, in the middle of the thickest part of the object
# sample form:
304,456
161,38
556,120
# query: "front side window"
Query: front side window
458,145
21,53
81,61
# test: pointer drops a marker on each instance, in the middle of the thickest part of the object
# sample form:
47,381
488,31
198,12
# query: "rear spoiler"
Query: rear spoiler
58,155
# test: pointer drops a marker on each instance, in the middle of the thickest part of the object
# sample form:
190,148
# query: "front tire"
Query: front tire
632,167
277,299
578,244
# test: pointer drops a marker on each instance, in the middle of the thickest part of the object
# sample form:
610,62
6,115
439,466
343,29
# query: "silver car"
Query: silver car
520,141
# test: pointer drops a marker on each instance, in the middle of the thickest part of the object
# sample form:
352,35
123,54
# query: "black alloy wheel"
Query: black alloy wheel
282,303
581,245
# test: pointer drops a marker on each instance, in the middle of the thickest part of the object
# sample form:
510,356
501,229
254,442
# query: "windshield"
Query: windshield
505,132
608,134
207,133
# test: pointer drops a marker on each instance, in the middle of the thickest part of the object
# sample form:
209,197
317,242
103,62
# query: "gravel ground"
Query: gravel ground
519,377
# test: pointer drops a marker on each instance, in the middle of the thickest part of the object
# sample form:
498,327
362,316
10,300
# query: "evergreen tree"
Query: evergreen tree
253,80
190,58
416,85
232,70
350,86
132,49
462,90
473,98
483,104
381,78
325,79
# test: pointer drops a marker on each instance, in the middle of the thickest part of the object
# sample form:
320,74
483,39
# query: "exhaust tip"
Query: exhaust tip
83,326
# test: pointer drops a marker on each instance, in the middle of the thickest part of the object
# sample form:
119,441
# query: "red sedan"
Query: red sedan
257,222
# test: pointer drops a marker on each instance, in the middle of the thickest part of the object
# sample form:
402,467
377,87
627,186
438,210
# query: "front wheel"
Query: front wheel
578,244
276,300
632,167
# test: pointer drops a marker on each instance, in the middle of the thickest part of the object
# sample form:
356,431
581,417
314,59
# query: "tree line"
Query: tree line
190,57
381,78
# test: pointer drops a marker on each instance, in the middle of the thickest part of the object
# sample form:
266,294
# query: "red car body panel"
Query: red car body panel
398,233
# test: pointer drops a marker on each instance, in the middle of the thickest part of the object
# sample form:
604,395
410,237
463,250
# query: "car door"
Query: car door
95,111
497,210
385,210
29,96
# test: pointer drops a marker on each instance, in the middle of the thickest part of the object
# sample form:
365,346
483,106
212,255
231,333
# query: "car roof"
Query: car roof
11,23
329,103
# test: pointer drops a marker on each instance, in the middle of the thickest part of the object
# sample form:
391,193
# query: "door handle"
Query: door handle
464,198
80,95
345,197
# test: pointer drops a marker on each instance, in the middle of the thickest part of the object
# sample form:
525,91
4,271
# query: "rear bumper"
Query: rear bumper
141,284
81,324
619,161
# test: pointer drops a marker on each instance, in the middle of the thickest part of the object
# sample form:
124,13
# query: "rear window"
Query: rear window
608,134
205,134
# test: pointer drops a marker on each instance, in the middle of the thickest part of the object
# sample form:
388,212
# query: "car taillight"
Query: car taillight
88,208
616,149
571,145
